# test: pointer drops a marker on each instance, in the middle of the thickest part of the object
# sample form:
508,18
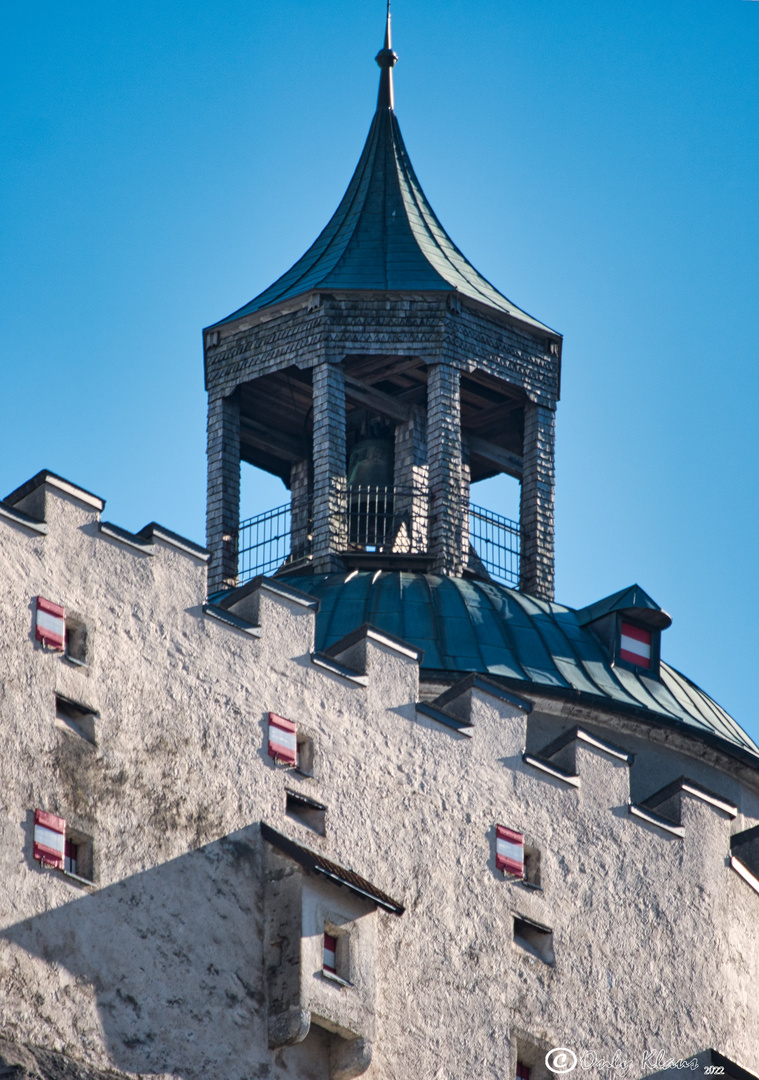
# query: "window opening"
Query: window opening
50,625
71,716
635,645
534,938
330,954
283,744
307,811
523,1071
75,648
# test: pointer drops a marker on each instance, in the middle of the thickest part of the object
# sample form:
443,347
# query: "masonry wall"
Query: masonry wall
159,968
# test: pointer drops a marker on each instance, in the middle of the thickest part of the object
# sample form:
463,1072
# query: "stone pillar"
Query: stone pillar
536,567
300,511
330,501
223,499
449,487
411,482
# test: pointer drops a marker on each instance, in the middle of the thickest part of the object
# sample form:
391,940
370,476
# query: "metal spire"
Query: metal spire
387,60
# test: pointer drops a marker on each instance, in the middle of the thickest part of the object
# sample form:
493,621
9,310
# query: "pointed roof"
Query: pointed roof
384,235
633,602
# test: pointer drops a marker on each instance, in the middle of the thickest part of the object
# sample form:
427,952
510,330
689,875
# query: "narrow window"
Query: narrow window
534,939
50,623
330,954
509,851
79,719
283,744
49,839
307,811
304,761
635,645
76,642
69,861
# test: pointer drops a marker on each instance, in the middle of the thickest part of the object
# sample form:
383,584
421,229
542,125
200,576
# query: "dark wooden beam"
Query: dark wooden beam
364,394
278,443
505,460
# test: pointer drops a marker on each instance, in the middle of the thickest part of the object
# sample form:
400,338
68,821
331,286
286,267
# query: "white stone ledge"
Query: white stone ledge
113,532
654,819
230,620
16,517
745,873
551,770
340,670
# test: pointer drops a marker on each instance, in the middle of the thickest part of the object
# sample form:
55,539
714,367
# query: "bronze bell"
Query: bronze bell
371,463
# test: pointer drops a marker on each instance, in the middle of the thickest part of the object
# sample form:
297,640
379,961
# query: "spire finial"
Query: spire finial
387,60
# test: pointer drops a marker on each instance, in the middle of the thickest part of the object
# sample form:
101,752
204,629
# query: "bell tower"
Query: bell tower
379,377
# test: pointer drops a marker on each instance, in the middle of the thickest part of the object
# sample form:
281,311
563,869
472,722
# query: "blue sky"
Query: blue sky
598,162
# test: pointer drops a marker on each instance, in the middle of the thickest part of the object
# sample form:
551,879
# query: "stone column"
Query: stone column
223,499
411,481
449,487
536,517
300,511
330,504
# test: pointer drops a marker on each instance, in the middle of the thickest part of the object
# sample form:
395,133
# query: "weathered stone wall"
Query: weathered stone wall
160,967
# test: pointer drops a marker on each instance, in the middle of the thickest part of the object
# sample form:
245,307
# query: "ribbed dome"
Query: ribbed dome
467,625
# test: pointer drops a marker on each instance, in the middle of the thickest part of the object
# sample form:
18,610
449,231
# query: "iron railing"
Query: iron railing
382,520
269,541
495,540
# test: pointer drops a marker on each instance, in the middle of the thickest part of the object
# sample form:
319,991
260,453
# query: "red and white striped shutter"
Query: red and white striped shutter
50,623
635,645
49,839
282,741
509,851
330,954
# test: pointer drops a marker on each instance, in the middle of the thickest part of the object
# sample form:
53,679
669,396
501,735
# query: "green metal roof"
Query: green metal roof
384,235
467,625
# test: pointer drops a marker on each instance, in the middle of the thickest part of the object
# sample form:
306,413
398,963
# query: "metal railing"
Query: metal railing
271,540
495,539
382,520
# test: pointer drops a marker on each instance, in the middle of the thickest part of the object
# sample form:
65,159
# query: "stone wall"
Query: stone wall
159,967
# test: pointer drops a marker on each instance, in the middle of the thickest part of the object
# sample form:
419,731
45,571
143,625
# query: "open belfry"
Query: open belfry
346,792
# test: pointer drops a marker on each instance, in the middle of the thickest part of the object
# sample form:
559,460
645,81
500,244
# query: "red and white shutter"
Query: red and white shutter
635,645
49,839
330,954
282,741
50,623
509,851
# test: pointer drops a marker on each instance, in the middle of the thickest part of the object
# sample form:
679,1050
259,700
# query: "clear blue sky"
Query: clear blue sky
162,163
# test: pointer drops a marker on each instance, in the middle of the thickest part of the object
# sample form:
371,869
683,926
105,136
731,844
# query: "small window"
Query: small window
330,954
635,645
76,718
78,855
336,955
509,851
304,759
59,847
76,642
283,743
534,939
307,811
50,623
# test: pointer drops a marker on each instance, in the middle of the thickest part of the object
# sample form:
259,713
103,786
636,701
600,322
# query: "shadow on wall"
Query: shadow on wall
174,956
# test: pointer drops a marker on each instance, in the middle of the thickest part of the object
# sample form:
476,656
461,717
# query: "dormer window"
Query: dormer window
635,644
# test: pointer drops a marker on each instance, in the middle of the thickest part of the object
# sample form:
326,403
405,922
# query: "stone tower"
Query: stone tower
379,377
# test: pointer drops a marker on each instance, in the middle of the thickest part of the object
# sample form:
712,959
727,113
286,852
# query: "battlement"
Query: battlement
403,785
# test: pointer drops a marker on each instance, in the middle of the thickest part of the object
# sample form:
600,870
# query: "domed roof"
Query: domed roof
467,625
